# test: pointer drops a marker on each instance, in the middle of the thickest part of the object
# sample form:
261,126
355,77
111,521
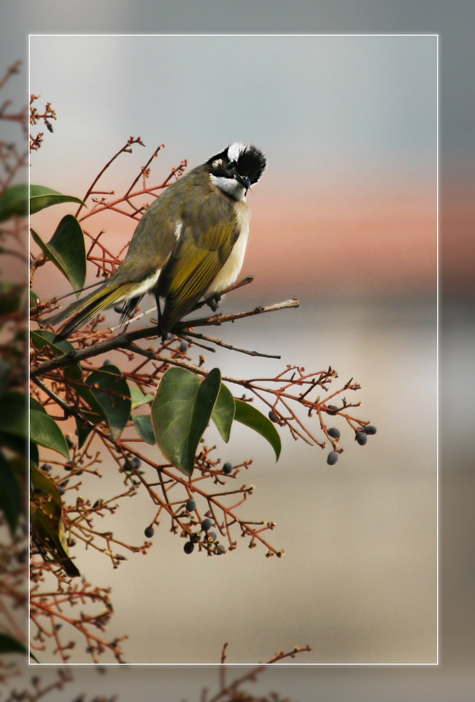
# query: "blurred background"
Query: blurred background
454,677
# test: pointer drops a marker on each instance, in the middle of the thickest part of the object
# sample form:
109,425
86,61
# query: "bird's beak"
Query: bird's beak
244,181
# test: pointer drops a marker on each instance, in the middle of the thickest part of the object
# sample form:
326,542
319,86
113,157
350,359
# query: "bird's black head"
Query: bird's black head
242,164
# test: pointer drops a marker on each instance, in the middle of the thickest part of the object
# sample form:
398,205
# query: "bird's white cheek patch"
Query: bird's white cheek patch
230,186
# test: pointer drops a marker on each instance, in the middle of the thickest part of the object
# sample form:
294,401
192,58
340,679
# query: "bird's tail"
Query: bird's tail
97,301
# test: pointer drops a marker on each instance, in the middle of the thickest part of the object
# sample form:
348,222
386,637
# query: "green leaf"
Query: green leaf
41,197
14,202
42,338
66,249
138,398
9,644
252,418
45,432
5,374
11,298
35,405
10,493
33,298
73,374
47,526
110,389
34,455
83,429
224,411
17,444
180,413
13,413
41,483
143,425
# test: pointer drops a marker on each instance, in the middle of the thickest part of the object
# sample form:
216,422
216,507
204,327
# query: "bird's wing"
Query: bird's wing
209,232
155,236
151,245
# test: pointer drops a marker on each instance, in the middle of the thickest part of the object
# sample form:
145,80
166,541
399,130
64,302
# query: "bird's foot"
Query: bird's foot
214,301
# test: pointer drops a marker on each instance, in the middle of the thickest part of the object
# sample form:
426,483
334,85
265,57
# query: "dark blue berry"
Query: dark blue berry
370,430
46,467
107,362
227,468
332,458
213,535
334,433
68,465
206,524
149,532
69,441
273,417
190,505
184,346
332,409
96,504
361,438
189,547
220,550
128,466
136,462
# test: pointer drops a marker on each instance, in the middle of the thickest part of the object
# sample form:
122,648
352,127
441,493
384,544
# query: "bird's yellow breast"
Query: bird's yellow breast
231,269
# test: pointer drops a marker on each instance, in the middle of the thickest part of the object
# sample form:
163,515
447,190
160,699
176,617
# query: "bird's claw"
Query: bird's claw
214,302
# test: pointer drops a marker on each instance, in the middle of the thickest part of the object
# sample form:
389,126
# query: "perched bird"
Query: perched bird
190,244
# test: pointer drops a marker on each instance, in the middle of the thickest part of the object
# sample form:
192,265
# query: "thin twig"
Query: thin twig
220,342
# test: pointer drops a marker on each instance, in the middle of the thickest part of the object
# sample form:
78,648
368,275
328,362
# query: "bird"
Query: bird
189,244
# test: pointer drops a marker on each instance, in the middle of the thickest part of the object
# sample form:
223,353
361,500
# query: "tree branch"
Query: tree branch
125,340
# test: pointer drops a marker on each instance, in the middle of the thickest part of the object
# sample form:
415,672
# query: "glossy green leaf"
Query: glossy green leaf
14,202
138,398
73,375
10,493
42,338
181,412
45,432
41,483
9,644
83,429
41,197
47,526
112,392
143,425
66,249
33,298
35,405
13,417
223,412
252,418
34,454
